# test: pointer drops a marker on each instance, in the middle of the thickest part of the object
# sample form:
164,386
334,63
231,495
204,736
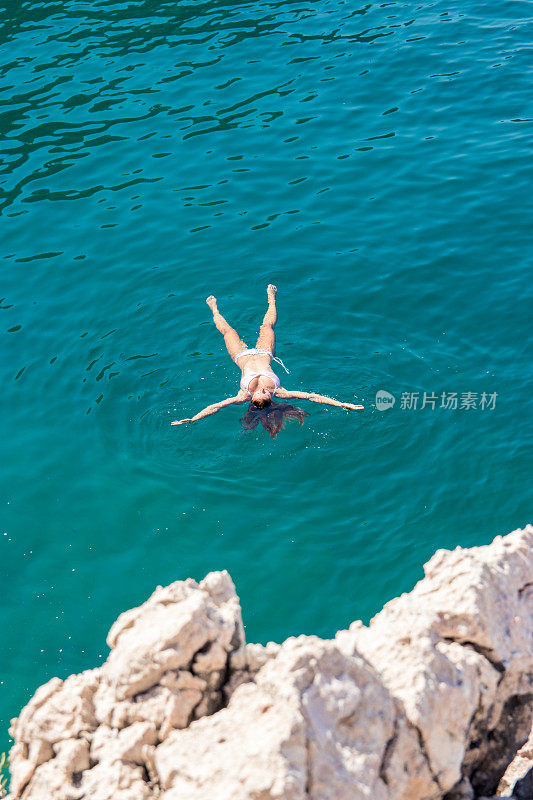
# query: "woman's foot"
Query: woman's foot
212,302
271,291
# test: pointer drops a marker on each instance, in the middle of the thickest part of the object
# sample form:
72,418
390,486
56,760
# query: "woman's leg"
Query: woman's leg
267,338
234,343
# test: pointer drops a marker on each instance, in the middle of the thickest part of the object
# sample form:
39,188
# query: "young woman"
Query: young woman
259,384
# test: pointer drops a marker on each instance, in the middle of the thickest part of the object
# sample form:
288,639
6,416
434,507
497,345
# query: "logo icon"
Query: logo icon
384,400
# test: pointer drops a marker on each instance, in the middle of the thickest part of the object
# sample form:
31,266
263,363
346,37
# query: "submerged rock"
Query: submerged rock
433,700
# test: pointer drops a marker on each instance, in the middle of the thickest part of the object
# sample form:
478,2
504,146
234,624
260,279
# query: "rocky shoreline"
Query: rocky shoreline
432,701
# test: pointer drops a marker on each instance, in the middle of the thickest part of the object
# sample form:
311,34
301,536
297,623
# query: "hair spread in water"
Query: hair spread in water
272,418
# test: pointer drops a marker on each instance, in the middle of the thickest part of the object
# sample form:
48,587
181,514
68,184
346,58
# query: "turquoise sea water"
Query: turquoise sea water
374,162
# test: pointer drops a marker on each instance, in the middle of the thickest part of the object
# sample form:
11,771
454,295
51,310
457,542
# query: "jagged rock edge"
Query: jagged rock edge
486,653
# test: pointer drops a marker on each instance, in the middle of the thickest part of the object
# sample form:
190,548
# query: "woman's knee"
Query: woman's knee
266,330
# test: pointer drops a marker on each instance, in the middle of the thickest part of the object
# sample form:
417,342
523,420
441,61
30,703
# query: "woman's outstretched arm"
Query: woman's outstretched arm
212,409
316,398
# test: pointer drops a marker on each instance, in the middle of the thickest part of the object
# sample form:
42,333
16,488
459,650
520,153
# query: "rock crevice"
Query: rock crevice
432,700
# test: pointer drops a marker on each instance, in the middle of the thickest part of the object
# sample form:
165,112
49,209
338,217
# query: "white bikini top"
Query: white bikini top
247,378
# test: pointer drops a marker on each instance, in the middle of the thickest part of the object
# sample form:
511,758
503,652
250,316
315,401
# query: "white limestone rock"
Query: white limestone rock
518,777
58,712
167,664
315,724
253,748
114,780
128,744
58,778
457,647
174,626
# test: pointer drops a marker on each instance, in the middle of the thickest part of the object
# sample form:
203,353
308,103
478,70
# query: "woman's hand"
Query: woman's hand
180,421
352,407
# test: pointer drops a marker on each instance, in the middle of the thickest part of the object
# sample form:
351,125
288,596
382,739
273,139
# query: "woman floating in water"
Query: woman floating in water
259,383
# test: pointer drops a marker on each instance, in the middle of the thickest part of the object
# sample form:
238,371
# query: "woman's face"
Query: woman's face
262,397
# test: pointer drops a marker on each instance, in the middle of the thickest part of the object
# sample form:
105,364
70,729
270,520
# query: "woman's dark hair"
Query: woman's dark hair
272,418
262,403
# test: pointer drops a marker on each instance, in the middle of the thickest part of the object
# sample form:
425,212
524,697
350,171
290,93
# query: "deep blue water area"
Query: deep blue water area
374,162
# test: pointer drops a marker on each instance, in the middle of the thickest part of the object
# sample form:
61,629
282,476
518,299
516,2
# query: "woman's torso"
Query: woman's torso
254,366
